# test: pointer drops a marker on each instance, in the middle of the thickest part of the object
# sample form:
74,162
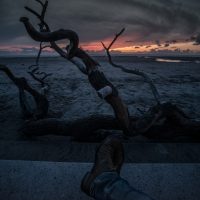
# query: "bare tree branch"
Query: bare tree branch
84,128
116,37
40,2
43,27
34,70
96,78
53,43
40,99
37,15
53,36
130,71
102,85
44,8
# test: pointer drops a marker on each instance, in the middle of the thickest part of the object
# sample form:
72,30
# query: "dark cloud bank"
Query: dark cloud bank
94,20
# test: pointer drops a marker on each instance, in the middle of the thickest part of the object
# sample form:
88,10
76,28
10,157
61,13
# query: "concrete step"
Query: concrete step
62,151
33,180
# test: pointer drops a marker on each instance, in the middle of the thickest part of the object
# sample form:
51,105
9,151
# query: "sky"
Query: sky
162,26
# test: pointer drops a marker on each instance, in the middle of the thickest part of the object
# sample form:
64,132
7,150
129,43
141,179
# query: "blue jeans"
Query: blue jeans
110,186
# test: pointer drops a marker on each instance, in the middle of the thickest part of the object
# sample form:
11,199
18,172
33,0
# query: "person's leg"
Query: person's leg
104,181
110,186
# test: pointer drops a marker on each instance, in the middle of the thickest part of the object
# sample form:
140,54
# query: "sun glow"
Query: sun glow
119,47
185,47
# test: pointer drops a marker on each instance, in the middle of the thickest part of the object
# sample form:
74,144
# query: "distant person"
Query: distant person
103,182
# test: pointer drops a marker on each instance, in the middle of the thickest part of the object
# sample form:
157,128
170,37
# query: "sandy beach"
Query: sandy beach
71,96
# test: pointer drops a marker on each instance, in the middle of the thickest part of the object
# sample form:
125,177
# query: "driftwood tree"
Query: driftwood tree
40,99
35,72
97,79
163,121
131,71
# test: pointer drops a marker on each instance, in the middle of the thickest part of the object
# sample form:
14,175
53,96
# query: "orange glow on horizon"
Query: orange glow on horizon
124,48
120,47
172,47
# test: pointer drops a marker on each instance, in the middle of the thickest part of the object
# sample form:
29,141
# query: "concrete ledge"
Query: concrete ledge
83,152
30,180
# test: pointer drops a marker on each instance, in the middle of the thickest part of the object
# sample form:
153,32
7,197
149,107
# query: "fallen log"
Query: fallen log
163,129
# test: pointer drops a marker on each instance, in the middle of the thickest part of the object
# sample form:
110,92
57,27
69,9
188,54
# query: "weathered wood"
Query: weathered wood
80,129
131,71
34,71
96,78
162,122
41,101
98,81
52,36
90,127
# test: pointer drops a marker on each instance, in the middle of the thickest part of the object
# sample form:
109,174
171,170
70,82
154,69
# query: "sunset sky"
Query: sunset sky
151,25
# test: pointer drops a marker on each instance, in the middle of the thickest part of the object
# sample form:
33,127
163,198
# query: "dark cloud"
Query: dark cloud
129,41
196,39
158,43
173,42
96,20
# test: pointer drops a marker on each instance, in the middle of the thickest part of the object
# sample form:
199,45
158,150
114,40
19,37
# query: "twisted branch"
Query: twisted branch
99,82
131,71
53,36
40,99
34,70
45,27
96,78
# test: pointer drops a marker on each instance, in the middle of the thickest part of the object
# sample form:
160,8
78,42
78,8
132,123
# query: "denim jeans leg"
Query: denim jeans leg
110,186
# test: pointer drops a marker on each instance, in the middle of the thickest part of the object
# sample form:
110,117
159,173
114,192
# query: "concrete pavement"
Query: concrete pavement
33,180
